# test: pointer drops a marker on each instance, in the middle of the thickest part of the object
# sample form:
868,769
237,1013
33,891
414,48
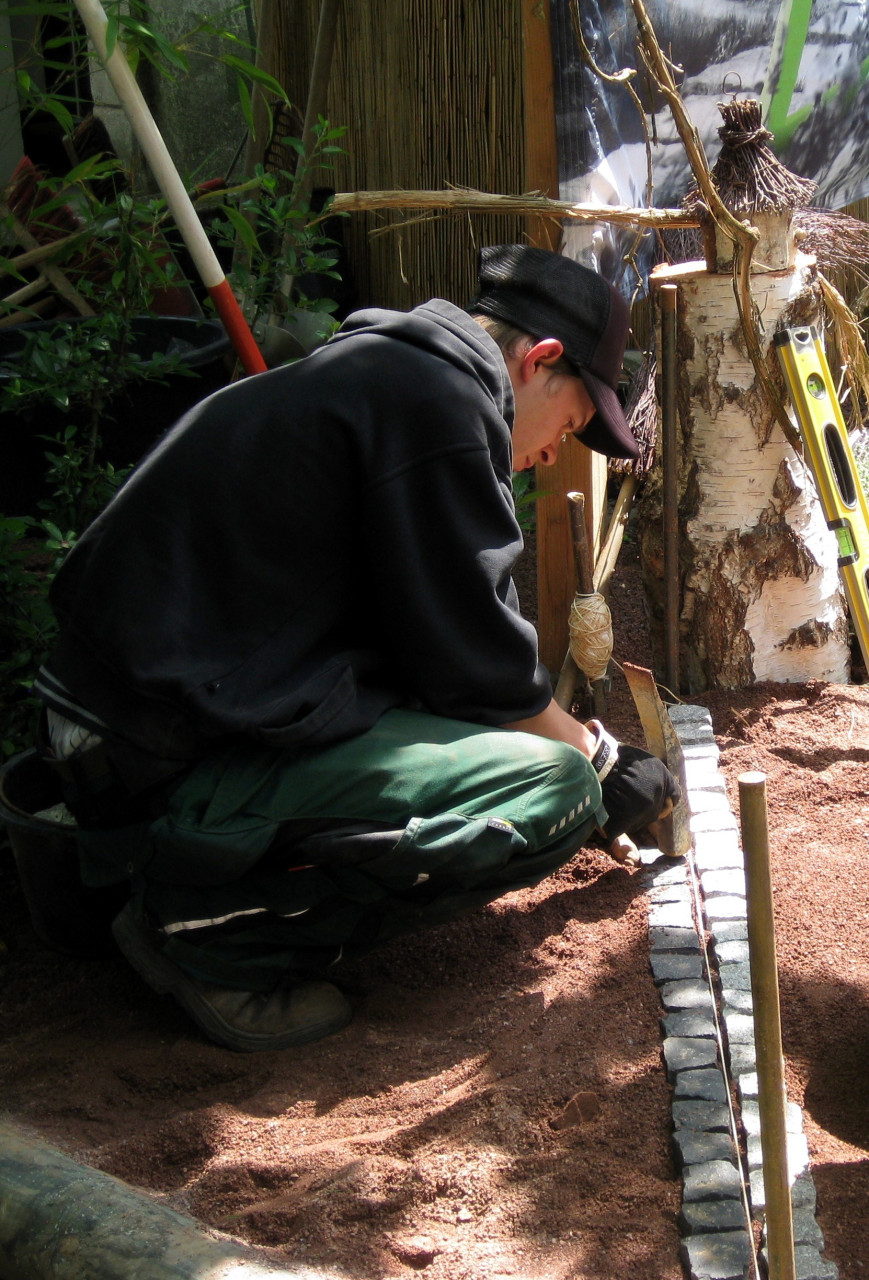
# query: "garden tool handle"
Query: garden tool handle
180,205
581,553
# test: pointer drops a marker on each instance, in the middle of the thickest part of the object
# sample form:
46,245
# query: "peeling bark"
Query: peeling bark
760,592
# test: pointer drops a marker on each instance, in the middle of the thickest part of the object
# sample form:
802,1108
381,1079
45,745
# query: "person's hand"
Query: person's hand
637,789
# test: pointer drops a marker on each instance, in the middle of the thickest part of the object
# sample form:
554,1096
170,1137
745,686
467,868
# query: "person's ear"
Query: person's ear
544,352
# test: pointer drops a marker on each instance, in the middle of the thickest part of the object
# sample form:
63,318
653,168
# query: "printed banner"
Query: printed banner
807,61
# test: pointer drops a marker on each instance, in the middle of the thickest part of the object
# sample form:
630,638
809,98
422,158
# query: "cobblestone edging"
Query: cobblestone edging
716,1195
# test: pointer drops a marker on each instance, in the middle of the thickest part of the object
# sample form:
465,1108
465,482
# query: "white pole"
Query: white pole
179,202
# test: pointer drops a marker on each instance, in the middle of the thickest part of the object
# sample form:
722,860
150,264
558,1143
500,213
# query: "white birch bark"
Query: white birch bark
761,597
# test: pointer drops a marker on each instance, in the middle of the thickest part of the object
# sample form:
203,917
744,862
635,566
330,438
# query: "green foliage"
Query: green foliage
29,556
525,499
278,239
78,368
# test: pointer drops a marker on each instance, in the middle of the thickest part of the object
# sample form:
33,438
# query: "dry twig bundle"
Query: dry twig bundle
641,411
748,175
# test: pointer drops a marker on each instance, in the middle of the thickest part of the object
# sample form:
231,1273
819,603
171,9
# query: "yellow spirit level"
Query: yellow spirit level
831,460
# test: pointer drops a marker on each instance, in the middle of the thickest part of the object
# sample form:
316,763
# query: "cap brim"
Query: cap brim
608,432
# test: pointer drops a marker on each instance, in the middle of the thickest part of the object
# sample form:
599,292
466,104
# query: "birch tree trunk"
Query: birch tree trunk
760,593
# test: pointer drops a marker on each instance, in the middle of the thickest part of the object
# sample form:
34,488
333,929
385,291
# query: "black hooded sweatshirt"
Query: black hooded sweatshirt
309,547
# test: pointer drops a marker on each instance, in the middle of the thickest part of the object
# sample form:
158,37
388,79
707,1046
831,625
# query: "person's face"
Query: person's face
548,404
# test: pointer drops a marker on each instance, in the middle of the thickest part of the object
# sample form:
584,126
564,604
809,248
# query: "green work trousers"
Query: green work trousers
272,862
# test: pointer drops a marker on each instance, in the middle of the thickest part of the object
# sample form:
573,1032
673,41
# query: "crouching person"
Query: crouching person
293,703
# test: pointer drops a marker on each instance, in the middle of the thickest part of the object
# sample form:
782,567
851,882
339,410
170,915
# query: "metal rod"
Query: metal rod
767,1027
669,450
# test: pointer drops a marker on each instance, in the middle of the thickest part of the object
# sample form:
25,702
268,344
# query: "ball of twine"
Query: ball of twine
591,634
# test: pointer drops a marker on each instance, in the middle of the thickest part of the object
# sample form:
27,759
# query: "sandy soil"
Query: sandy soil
498,1107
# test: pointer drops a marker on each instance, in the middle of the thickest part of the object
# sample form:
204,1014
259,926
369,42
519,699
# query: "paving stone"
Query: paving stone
701,1216
750,1114
701,761
719,820
703,775
713,842
671,915
723,908
713,1180
705,1083
701,754
683,714
682,994
673,872
736,977
710,803
803,1194
670,966
798,1153
689,1022
696,1146
720,1255
739,1000
690,732
735,951
746,1086
650,858
742,1058
714,1116
740,1027
729,931
809,1265
728,883
806,1229
687,1053
661,939
670,893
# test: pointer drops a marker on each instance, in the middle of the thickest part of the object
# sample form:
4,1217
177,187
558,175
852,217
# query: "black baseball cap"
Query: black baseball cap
550,296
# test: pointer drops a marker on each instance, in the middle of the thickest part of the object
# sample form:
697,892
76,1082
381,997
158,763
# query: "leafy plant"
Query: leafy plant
525,499
29,557
278,239
111,241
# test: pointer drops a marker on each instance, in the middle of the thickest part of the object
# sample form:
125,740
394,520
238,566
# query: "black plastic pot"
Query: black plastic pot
135,418
67,915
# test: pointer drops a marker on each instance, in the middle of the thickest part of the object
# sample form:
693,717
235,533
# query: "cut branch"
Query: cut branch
744,236
463,200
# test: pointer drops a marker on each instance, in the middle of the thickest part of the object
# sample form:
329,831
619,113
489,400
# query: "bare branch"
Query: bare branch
463,200
744,236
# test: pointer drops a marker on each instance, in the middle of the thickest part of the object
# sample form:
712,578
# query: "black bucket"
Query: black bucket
67,915
135,417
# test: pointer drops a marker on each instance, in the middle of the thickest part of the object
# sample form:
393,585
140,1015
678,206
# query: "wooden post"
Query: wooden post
767,1026
577,468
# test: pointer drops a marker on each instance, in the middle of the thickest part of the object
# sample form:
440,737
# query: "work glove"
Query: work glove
635,785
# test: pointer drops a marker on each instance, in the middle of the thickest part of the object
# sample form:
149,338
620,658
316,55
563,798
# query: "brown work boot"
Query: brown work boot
246,1021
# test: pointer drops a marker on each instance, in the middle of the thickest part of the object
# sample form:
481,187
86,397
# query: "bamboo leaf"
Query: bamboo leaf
245,102
243,229
112,29
254,73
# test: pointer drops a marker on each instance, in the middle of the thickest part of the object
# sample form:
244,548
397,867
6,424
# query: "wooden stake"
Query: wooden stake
767,1026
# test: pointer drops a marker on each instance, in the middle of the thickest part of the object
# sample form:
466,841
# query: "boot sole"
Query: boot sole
163,976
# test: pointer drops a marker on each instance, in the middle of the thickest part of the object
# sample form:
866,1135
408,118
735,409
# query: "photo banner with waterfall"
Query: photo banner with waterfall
806,61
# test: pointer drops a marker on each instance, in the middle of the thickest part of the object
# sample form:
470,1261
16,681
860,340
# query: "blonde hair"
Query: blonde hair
515,342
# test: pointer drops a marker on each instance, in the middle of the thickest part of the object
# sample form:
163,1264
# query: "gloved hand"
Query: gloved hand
637,787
